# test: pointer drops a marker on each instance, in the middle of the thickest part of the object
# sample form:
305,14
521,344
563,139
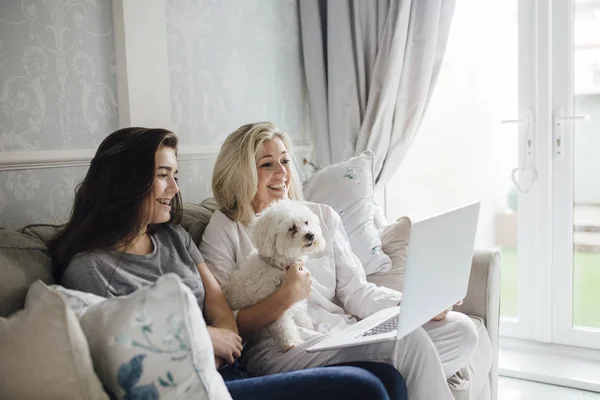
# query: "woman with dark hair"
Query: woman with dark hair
120,236
113,200
124,234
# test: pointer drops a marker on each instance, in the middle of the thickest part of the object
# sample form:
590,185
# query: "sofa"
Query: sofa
24,259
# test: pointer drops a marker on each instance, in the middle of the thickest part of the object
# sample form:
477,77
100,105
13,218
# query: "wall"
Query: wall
57,91
229,62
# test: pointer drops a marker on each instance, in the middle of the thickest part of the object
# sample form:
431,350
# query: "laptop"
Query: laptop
438,265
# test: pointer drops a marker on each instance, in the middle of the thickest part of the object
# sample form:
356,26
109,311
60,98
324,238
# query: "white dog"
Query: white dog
283,235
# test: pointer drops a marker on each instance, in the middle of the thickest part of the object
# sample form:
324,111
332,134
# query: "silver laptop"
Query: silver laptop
438,266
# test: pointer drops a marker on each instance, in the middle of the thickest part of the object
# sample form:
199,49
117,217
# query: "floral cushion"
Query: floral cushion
78,301
152,343
348,187
394,240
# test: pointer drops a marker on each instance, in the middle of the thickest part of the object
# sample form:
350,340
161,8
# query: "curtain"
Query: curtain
371,66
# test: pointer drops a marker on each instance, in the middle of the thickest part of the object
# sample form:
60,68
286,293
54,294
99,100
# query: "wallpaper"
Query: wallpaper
230,62
57,91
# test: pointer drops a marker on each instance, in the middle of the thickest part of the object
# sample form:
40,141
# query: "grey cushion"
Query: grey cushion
44,232
23,260
196,217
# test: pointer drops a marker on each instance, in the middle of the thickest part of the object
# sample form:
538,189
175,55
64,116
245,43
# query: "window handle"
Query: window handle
559,121
526,170
516,121
573,117
527,160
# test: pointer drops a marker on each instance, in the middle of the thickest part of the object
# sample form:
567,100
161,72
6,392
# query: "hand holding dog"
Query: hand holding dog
297,283
227,344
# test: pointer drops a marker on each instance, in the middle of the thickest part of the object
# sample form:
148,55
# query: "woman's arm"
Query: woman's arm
216,310
227,344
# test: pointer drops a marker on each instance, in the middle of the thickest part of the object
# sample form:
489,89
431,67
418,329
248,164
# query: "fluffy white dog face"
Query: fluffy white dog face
286,232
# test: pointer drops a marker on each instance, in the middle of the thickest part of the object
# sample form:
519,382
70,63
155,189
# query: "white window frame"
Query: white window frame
534,281
563,331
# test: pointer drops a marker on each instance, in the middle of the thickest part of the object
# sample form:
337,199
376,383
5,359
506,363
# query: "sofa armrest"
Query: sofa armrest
483,294
483,300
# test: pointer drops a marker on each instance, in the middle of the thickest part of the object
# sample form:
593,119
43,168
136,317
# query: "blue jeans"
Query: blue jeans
359,380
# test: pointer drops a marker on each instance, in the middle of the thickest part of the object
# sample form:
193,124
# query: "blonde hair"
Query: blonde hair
235,176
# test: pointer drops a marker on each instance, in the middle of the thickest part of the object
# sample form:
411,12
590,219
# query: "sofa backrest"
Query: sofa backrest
23,260
24,256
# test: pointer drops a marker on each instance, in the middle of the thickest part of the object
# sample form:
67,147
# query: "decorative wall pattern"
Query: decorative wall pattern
57,91
58,86
37,195
195,179
233,62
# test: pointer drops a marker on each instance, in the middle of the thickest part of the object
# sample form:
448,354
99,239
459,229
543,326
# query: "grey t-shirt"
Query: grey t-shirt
111,273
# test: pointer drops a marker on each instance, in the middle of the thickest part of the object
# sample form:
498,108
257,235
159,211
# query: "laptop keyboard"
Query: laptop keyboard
386,326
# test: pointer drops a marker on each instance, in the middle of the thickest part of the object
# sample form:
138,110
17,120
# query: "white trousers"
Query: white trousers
426,358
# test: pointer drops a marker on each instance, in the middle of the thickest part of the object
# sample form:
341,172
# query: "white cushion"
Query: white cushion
44,353
348,188
151,343
78,301
394,242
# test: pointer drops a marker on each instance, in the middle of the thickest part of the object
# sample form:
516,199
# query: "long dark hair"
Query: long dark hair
111,201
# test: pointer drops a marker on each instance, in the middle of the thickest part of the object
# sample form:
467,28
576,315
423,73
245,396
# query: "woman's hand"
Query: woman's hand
441,316
296,286
297,283
226,343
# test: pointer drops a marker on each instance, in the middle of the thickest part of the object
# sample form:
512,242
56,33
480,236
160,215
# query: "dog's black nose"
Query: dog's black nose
310,236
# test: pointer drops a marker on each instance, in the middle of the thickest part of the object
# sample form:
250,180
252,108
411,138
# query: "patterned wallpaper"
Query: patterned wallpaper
230,62
233,62
57,91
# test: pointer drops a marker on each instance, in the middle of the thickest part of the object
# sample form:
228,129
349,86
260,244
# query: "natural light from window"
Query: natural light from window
462,152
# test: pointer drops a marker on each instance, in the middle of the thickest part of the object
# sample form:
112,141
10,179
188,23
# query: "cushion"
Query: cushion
196,217
23,260
394,242
153,343
78,301
44,232
348,188
45,354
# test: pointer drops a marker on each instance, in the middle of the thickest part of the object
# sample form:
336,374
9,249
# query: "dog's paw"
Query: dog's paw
307,334
290,345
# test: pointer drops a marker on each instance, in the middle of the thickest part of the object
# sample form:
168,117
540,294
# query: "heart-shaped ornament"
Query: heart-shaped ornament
518,174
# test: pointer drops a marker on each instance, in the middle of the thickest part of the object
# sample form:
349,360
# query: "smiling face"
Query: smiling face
164,187
273,174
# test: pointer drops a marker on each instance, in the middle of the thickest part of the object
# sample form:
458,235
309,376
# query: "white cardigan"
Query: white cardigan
340,289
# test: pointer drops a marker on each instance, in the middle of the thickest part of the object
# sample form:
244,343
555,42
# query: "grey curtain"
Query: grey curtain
371,66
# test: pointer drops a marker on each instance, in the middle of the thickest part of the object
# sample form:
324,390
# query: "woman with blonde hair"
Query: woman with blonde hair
254,168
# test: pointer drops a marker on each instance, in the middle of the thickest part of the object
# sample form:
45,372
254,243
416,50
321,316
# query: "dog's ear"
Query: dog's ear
261,235
319,242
